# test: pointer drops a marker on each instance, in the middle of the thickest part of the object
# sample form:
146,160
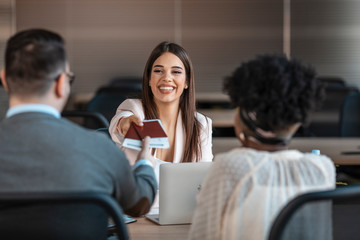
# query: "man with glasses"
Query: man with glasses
40,151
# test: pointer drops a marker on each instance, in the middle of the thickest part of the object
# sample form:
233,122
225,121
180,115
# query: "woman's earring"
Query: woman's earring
186,86
242,136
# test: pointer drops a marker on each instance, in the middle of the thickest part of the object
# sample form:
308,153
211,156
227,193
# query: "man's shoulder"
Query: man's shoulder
86,133
61,128
95,142
62,131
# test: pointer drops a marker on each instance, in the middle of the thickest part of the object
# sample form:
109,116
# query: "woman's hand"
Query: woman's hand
125,123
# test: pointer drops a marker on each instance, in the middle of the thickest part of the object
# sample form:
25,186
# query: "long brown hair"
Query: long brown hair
187,106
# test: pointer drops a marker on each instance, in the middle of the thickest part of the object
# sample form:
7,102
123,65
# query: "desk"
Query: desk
144,229
220,117
332,147
212,97
225,117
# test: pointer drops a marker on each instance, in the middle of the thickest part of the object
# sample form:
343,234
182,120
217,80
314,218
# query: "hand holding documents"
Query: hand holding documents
151,128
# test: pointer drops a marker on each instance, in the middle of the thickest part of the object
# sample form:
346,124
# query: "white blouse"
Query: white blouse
134,107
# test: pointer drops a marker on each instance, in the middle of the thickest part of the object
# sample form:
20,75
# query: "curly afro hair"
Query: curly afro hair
280,91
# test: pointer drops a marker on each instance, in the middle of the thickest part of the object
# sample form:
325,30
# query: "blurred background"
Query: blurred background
112,39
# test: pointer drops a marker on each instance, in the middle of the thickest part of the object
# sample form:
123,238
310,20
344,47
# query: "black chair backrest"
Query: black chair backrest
106,103
70,215
322,123
322,215
88,119
108,98
349,126
104,131
129,83
336,91
350,116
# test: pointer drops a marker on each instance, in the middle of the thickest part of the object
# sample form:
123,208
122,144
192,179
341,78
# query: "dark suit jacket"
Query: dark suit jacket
39,152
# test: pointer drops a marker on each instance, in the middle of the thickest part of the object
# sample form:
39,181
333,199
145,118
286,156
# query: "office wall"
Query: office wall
6,29
108,38
326,33
221,34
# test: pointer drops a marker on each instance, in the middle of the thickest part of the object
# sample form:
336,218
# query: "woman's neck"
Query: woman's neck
254,144
168,113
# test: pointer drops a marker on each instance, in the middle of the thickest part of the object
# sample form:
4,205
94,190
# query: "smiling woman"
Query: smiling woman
168,79
168,94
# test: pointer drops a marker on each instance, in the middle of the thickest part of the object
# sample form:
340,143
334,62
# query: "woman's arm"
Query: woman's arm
114,130
205,138
126,109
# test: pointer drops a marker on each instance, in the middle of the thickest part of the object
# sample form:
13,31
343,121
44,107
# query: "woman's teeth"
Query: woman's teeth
166,88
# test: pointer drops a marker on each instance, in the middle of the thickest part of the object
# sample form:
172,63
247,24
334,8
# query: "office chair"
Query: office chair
130,83
88,119
332,81
336,90
350,116
106,103
350,127
323,215
105,131
108,98
67,216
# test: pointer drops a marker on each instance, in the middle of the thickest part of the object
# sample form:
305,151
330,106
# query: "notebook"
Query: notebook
178,187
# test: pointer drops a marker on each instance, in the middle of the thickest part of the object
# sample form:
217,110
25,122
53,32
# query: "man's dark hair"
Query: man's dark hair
280,91
33,60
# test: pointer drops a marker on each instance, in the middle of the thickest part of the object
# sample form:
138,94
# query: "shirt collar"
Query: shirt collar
42,108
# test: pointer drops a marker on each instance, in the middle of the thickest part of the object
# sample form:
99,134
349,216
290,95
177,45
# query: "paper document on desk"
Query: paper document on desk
152,128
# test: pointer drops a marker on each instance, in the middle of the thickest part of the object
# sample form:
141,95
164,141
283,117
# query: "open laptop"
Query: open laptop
178,187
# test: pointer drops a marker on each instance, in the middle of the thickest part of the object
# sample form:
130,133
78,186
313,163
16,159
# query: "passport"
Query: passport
152,128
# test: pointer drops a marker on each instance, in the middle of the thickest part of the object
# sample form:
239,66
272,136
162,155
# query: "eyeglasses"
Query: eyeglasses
69,75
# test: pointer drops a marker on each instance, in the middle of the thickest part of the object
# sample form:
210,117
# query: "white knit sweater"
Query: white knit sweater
245,189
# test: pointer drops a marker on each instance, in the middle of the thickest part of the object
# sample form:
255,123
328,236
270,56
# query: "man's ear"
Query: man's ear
60,86
3,80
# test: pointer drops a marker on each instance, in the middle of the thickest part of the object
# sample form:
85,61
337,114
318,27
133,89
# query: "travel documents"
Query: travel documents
152,128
